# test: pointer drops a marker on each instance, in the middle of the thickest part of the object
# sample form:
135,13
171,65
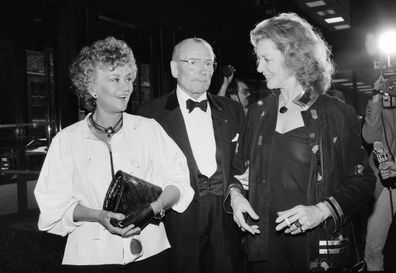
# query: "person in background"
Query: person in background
239,92
235,89
83,157
206,127
302,152
380,126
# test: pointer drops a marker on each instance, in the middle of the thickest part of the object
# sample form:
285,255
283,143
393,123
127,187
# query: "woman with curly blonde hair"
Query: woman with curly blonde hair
82,160
301,151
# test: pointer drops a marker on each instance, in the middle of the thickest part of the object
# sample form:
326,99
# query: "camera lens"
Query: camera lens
390,86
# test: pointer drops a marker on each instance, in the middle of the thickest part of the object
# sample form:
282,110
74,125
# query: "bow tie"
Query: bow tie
190,104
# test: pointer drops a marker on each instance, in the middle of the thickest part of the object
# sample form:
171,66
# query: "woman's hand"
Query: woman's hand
128,231
299,219
241,206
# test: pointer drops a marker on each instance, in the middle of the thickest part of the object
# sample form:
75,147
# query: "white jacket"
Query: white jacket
77,170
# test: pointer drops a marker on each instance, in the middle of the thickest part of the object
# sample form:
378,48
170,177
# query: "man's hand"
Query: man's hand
241,206
225,84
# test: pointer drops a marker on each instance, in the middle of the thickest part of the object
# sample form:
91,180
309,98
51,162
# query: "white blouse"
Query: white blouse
77,170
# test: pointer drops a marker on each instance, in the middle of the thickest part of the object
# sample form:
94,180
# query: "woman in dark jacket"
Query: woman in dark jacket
302,153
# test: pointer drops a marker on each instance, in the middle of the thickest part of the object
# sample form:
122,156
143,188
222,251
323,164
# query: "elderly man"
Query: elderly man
206,128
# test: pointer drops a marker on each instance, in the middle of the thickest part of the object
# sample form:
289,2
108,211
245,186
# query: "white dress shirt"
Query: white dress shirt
77,170
200,133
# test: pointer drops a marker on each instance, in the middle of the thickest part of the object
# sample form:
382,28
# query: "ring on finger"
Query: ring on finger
287,222
298,224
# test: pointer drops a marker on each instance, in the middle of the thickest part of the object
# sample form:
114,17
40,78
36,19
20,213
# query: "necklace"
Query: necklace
109,130
283,109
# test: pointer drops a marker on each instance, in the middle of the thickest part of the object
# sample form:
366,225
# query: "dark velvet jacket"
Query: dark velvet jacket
339,173
182,229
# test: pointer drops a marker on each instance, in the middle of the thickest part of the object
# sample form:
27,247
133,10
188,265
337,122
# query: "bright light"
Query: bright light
314,4
334,20
387,42
346,26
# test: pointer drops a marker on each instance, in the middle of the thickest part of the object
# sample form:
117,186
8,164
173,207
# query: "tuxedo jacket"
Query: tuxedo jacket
182,229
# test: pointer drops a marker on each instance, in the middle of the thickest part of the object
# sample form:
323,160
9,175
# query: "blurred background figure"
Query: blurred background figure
379,129
239,92
235,89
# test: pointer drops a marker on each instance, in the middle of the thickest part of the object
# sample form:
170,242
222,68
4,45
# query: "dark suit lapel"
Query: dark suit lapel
173,123
220,128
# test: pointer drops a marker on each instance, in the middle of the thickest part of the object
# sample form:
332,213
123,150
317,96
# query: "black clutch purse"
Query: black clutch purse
131,196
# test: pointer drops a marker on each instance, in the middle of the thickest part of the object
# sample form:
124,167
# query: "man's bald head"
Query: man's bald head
182,45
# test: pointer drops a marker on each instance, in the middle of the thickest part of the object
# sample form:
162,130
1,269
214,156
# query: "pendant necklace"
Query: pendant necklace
283,109
109,130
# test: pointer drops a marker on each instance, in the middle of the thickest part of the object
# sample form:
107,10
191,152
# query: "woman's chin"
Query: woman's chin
272,86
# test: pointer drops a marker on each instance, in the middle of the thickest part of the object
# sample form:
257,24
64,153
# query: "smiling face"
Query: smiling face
193,81
112,88
271,64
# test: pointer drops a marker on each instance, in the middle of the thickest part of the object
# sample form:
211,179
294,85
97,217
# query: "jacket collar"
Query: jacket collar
172,102
305,100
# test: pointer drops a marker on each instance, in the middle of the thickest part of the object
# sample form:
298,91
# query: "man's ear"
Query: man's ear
174,69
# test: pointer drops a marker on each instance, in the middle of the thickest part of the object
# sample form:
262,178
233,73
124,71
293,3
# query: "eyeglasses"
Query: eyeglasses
196,64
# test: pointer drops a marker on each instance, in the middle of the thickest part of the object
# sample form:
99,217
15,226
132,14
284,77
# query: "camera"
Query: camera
387,84
381,49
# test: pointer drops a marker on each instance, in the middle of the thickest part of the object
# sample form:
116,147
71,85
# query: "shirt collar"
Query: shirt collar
182,97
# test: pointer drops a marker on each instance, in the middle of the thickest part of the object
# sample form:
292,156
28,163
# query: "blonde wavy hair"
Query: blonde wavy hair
109,52
306,53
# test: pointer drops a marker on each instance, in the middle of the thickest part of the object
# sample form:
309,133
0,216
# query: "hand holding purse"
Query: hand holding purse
132,197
